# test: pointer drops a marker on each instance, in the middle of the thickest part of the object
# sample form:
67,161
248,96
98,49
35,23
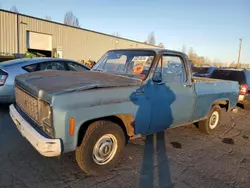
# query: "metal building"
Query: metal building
21,33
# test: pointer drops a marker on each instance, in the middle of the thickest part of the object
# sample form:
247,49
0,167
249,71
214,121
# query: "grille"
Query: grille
28,103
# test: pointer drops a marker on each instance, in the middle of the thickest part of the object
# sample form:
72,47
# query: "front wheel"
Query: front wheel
101,147
208,125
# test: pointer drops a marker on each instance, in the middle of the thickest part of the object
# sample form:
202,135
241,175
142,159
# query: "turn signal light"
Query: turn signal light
71,126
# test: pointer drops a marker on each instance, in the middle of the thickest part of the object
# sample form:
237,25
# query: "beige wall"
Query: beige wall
76,43
8,32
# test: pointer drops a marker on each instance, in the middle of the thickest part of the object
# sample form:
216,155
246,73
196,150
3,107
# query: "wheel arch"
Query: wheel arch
222,103
125,121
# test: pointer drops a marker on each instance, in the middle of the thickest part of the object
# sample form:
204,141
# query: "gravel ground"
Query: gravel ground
180,157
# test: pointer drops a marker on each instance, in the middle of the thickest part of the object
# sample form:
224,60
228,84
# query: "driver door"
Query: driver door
173,95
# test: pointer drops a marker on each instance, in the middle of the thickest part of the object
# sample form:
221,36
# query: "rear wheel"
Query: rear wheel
246,105
101,147
208,125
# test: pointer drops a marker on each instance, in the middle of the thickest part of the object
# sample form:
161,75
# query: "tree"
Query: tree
151,38
192,55
161,45
183,49
48,18
14,9
233,65
71,19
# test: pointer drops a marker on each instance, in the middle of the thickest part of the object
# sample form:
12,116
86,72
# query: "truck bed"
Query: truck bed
200,79
210,90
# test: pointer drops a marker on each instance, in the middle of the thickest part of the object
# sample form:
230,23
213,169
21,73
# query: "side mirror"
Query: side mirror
157,77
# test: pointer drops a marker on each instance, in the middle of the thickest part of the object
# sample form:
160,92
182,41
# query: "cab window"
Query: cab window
172,69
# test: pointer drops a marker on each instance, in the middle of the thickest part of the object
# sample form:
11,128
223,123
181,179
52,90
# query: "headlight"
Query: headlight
45,117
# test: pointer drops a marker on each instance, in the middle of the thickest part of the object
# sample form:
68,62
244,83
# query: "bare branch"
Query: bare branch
151,38
116,34
184,49
71,19
14,9
161,45
48,18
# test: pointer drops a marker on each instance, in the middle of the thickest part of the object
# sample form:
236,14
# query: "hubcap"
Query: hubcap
105,149
214,119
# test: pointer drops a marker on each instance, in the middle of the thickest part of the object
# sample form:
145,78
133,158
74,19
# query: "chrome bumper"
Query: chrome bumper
46,147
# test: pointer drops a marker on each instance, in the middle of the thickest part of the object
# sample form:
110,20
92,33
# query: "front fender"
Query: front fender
84,115
90,105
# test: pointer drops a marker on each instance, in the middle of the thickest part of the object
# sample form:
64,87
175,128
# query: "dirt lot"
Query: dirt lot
180,157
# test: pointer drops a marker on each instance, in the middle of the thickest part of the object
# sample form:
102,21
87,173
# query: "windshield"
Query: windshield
131,63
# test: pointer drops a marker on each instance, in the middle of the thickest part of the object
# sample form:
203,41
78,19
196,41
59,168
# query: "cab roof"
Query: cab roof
156,50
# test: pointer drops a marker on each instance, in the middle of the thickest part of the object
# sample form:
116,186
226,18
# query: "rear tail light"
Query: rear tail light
244,89
3,77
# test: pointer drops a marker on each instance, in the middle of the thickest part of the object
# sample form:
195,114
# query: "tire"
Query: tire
246,105
208,125
107,133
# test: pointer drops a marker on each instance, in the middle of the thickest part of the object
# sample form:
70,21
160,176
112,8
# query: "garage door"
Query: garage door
39,41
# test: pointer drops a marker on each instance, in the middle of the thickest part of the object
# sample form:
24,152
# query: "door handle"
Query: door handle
187,85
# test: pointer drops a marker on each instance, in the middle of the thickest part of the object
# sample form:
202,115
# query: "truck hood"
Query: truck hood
45,84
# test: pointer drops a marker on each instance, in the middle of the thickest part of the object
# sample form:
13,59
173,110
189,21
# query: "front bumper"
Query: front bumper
45,146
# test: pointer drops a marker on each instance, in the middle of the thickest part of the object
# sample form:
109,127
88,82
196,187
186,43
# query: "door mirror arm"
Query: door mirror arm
157,77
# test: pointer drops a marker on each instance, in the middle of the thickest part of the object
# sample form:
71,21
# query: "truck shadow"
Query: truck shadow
160,98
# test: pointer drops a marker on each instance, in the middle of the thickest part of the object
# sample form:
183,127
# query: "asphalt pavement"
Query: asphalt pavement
180,157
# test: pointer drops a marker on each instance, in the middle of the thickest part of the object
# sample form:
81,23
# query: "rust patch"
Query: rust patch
221,102
128,121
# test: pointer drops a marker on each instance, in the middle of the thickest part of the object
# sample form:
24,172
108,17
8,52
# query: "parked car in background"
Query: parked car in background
203,71
113,103
242,76
10,69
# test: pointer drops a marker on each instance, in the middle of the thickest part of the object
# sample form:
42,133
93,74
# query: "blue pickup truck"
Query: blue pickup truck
95,113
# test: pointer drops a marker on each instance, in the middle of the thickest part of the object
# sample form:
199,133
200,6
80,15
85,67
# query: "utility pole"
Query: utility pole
238,63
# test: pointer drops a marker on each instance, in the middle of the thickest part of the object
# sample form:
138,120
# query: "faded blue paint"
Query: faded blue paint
160,107
208,73
88,105
154,106
211,92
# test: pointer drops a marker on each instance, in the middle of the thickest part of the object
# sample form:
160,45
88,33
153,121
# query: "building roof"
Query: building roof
76,27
